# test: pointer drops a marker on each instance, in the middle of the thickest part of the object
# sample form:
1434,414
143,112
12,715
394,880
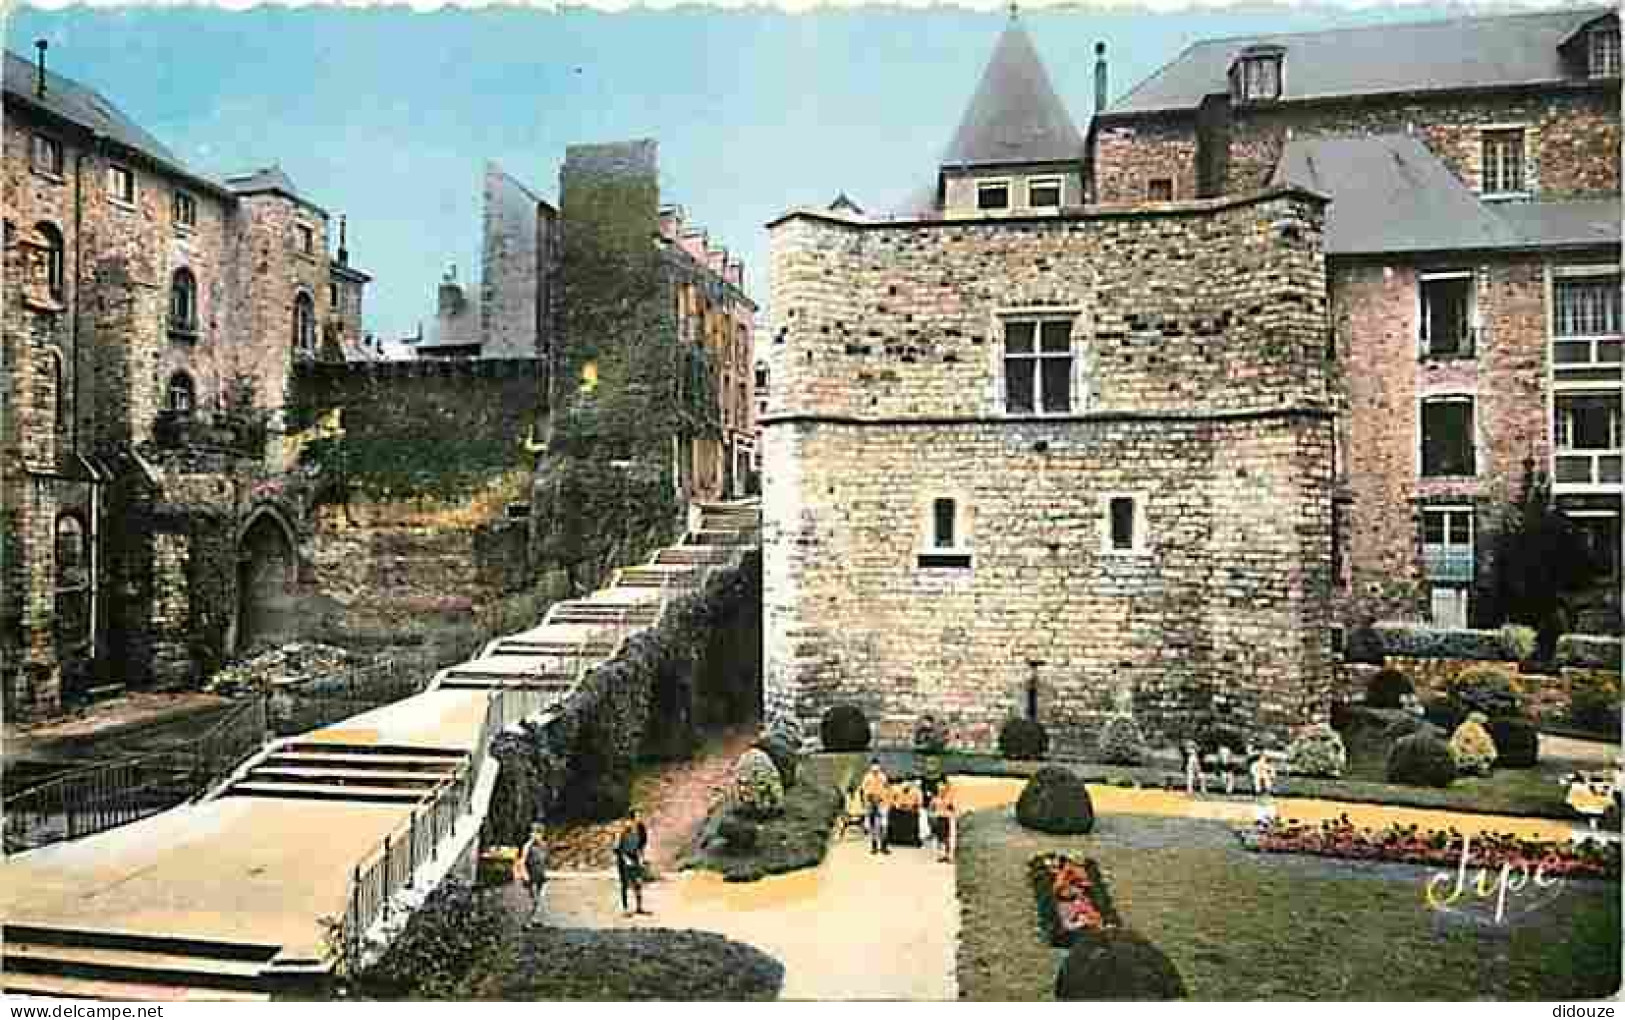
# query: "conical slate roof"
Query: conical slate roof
1015,116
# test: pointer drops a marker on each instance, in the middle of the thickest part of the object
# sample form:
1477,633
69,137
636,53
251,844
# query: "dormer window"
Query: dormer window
1256,75
1044,192
993,195
1604,62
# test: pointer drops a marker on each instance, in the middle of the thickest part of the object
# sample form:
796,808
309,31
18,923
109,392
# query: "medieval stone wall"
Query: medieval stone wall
1128,156
510,292
1199,340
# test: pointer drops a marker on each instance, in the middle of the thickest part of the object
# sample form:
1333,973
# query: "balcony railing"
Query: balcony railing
1448,562
1592,468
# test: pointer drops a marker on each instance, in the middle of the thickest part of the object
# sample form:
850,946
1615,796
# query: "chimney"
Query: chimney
1100,76
344,251
39,68
451,293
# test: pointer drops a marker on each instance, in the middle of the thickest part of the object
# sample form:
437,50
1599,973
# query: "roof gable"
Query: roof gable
1015,115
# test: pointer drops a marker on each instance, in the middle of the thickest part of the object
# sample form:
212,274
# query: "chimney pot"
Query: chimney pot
39,68
1100,76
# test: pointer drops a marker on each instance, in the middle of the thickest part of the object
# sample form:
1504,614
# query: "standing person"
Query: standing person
877,796
530,869
944,821
629,864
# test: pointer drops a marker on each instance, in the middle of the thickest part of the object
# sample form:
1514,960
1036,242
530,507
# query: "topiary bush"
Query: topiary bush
844,728
1517,742
1518,641
1472,748
1318,752
1023,739
758,790
739,835
784,755
446,938
1387,689
1421,759
1056,801
1116,964
1487,690
1122,742
930,736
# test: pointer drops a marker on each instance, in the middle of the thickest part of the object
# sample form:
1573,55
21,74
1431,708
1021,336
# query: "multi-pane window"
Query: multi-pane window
993,195
1038,366
1586,432
1447,314
47,155
304,324
1160,189
181,396
1600,530
185,210
1447,543
1044,192
1605,53
121,184
183,301
1586,320
1261,78
1503,162
306,238
1447,437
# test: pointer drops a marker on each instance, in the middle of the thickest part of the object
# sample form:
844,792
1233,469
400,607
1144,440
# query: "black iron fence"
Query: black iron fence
111,794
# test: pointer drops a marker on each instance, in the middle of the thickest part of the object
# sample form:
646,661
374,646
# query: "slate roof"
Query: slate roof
1461,53
80,105
1015,115
1391,194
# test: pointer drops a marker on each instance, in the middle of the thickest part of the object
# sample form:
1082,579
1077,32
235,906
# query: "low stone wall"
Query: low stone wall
700,666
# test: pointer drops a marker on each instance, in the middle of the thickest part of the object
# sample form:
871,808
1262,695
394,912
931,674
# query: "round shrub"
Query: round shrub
1517,742
1023,739
930,736
844,728
739,835
1518,641
1116,964
1387,689
1421,759
784,756
1472,747
1056,801
758,790
1121,742
1486,690
1318,752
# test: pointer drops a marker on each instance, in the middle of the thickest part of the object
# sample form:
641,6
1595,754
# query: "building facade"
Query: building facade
1028,458
1473,270
151,322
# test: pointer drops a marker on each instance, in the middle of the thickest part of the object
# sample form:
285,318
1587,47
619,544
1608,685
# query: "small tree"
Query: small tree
1541,560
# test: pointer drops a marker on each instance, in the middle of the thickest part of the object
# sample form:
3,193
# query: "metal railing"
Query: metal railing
105,796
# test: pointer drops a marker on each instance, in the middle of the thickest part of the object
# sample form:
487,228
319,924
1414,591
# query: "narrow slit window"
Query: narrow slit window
1122,522
942,531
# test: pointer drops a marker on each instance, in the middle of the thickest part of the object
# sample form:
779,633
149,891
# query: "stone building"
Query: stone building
1472,247
151,319
1026,457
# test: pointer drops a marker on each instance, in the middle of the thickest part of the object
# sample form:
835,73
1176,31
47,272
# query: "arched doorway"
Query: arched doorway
267,581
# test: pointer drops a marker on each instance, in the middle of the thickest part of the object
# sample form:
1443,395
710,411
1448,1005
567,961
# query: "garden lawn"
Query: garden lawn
1244,926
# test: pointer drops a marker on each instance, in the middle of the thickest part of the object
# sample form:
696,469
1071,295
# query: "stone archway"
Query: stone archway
267,580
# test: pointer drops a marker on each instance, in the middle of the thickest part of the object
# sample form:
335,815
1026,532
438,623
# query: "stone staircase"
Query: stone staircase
82,964
369,773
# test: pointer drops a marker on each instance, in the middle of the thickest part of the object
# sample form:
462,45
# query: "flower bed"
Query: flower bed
1408,844
1072,897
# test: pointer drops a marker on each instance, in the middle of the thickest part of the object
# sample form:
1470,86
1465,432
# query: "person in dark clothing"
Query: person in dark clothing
530,869
629,863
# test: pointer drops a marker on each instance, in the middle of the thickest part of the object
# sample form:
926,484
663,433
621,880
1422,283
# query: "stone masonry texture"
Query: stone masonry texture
1200,351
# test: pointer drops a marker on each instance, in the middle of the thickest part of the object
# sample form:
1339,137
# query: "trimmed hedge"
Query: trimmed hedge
1023,739
1589,651
1319,752
1415,641
455,929
1388,689
609,965
845,728
1517,742
1488,690
739,835
1122,742
1594,699
1055,800
1421,759
1117,964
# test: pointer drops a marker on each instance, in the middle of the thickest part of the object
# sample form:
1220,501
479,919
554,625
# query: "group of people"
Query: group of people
631,850
931,800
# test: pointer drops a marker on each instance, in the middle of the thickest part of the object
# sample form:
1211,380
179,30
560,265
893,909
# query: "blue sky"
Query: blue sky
389,115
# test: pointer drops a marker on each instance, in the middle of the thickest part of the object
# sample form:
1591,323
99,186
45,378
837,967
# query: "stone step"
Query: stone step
140,942
399,750
693,555
377,777
103,964
55,986
420,762
714,537
327,791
